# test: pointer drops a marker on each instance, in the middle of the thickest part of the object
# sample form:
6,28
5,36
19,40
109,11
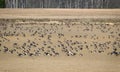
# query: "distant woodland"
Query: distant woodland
60,3
2,3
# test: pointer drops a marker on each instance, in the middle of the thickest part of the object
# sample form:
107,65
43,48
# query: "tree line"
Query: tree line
60,3
2,3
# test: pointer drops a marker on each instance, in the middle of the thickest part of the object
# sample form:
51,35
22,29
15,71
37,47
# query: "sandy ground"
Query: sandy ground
87,63
97,63
59,13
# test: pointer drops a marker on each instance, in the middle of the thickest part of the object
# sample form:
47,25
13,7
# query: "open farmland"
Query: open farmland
62,40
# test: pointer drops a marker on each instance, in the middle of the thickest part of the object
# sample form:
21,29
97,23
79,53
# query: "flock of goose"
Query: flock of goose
55,37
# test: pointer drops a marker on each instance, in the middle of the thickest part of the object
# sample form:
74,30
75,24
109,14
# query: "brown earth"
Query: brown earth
63,13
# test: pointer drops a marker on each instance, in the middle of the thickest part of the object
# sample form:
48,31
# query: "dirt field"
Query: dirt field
97,63
61,40
59,13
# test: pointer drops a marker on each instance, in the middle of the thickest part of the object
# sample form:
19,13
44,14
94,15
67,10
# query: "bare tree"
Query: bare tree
57,3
